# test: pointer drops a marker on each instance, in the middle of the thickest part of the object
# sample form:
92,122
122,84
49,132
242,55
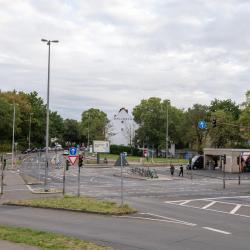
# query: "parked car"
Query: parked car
197,162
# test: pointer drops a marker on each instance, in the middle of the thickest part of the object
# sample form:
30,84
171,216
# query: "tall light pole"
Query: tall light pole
30,128
13,134
167,133
47,118
88,131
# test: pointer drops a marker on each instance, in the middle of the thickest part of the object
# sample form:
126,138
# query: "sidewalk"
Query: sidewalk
6,245
13,181
15,188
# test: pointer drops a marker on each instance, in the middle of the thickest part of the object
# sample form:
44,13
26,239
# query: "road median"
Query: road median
81,204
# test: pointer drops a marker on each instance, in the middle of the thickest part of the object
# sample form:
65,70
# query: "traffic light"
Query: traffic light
214,123
80,161
67,164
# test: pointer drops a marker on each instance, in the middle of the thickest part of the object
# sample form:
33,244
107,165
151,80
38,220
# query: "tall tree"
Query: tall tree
93,125
195,136
226,132
71,131
227,106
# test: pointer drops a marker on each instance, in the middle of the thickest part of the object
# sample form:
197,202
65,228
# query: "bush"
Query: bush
117,149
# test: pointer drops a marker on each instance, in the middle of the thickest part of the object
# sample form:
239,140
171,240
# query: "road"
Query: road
173,213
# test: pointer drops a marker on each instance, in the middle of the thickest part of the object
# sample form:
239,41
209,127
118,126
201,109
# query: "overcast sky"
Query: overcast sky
113,53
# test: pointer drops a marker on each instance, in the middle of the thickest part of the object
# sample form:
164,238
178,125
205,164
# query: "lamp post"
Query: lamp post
167,134
30,128
88,133
13,134
47,117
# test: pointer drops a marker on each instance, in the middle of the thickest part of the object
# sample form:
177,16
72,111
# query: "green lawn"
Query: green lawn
46,240
150,160
83,204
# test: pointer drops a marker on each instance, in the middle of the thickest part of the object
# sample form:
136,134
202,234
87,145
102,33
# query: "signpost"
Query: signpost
73,155
100,147
121,156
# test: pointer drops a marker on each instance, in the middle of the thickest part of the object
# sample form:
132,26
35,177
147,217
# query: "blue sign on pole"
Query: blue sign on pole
72,151
248,142
202,124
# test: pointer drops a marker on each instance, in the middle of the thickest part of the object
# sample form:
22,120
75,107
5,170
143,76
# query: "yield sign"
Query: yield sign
72,159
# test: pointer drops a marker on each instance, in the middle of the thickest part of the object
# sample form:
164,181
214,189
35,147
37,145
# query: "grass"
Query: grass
46,240
83,204
137,159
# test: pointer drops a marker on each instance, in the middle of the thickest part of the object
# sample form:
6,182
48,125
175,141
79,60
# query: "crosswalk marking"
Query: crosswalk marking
209,205
235,209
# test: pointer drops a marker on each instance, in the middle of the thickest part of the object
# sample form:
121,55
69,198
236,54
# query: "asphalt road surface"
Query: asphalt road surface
173,213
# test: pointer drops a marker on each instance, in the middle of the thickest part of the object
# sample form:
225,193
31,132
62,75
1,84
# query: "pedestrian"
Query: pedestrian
172,169
181,171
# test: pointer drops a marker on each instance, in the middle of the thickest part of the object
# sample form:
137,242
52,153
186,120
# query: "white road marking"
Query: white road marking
30,189
209,205
237,207
215,198
216,230
185,202
172,219
151,219
214,210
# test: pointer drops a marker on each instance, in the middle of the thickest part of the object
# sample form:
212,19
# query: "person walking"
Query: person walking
172,169
181,171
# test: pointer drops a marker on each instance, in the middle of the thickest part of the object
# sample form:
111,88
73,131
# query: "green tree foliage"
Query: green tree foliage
6,118
71,131
244,122
226,132
153,115
227,106
38,119
56,126
193,135
93,123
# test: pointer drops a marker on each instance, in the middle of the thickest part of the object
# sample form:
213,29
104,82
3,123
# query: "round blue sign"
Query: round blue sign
72,151
202,124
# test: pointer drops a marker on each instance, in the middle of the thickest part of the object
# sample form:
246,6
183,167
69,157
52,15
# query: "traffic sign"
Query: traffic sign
72,151
72,159
202,124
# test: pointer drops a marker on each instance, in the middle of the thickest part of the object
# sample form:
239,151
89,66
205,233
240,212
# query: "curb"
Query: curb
42,192
69,210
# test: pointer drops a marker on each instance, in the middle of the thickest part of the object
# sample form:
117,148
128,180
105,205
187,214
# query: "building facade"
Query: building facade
122,129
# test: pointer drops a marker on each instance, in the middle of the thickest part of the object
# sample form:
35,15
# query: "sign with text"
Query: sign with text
101,147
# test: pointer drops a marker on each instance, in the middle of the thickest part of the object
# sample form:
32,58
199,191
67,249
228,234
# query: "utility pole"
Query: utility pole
47,117
121,156
88,131
167,133
30,128
13,134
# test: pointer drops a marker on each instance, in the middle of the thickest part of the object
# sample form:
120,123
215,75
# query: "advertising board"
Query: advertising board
101,147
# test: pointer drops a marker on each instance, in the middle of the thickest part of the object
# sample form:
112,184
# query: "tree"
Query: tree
244,122
227,106
149,115
195,136
152,116
6,118
56,126
226,132
71,131
93,125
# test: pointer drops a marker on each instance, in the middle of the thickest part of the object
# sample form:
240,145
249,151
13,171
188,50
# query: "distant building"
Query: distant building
247,102
122,129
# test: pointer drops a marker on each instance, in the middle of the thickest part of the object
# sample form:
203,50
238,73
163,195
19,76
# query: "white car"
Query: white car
66,152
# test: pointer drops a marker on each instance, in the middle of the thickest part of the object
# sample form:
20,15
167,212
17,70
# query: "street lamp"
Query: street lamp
47,118
30,128
13,134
